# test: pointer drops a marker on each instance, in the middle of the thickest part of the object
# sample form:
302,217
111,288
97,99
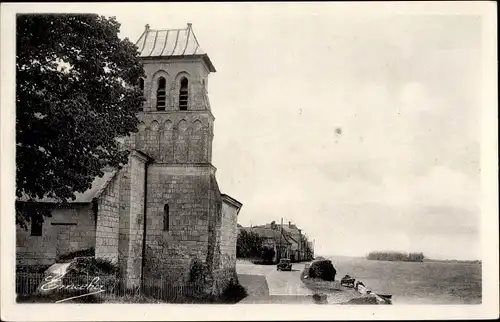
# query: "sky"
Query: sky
364,130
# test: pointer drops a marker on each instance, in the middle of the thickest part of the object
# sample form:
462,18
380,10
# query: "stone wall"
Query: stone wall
108,221
120,219
186,191
175,137
69,229
132,219
224,270
229,234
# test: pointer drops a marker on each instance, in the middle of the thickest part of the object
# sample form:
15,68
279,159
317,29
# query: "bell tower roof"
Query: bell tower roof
166,43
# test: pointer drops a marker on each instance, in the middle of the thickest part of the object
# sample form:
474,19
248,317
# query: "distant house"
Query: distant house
299,244
310,250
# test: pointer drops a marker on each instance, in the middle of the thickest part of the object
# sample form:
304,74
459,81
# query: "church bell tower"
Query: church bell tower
176,119
183,203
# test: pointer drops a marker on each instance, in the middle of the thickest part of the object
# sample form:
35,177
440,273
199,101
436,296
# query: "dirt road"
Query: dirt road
265,284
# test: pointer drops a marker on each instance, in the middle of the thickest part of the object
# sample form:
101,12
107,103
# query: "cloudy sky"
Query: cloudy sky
361,129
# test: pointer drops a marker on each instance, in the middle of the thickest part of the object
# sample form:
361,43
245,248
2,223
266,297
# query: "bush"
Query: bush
90,252
93,266
198,271
261,262
322,269
267,254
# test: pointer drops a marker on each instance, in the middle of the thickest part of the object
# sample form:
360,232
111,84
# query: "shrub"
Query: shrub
90,252
320,298
322,269
198,271
93,266
267,254
106,266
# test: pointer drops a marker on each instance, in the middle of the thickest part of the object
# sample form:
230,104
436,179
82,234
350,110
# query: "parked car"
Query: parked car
347,281
284,265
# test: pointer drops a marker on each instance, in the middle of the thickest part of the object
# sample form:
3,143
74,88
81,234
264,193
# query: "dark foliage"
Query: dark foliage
248,244
260,261
75,94
396,256
320,298
92,266
90,252
322,269
267,254
198,271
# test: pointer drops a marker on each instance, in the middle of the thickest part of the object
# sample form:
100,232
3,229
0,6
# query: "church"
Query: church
164,209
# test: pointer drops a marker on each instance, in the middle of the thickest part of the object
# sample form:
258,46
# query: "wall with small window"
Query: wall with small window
177,219
166,218
68,230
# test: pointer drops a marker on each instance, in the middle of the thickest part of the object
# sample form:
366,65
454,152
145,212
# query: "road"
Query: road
265,284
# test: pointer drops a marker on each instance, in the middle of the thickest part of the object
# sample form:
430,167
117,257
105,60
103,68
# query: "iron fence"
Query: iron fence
106,287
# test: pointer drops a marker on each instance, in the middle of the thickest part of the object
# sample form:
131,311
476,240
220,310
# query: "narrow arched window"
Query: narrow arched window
183,94
141,87
166,218
161,94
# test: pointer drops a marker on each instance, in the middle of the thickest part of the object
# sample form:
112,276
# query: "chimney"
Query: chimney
147,27
289,224
189,25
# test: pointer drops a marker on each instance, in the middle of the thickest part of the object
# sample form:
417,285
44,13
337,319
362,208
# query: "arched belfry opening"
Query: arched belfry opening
183,94
161,94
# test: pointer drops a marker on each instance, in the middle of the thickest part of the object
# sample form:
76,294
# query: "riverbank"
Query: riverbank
331,290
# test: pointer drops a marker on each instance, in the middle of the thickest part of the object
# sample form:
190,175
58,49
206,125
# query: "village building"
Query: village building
163,210
298,243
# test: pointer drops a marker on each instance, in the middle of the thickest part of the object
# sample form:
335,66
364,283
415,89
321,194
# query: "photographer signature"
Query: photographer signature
55,283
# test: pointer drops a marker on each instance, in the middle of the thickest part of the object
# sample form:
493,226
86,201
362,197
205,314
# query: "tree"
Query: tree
75,95
248,244
267,254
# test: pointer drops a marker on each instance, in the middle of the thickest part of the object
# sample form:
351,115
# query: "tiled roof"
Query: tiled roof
171,43
98,185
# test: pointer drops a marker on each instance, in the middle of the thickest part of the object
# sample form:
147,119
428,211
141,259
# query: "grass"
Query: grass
131,299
